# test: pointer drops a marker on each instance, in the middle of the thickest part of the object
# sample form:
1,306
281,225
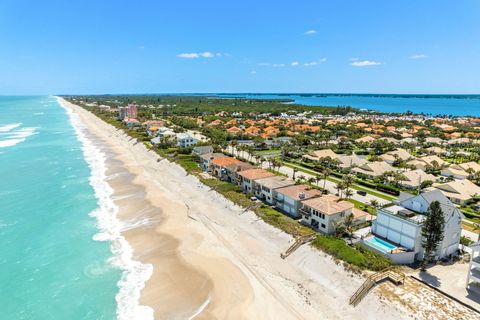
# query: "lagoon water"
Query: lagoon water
50,265
456,105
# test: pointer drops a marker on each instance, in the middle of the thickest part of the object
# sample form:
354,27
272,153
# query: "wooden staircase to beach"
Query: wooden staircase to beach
386,274
298,242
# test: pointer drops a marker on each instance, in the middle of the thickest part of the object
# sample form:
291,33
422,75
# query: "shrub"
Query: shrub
357,255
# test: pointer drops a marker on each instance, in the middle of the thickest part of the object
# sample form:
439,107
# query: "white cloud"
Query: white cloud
196,55
264,64
253,72
207,54
314,63
419,56
310,32
188,55
278,65
295,63
364,63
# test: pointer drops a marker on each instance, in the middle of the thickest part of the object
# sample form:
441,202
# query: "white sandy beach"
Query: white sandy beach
213,261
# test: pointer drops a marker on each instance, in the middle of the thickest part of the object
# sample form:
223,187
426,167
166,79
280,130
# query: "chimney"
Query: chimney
301,195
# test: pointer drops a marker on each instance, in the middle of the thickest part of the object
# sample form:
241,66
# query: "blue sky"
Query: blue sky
92,46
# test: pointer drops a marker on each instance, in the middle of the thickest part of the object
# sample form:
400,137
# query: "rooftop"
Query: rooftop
254,174
299,192
275,182
328,204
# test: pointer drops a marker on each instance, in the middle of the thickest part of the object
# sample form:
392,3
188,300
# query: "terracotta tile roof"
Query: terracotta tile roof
234,130
328,204
254,174
297,190
225,161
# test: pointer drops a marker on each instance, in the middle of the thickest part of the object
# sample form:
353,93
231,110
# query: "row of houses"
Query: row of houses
299,201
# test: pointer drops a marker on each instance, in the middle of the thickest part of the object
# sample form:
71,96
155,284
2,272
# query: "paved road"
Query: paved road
329,185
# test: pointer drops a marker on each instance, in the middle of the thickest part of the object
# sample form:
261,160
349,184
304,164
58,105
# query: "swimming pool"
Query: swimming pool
380,244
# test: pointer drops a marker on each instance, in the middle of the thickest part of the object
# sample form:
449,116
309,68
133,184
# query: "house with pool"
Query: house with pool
397,231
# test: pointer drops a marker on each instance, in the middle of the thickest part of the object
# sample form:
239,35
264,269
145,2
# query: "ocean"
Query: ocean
455,105
61,255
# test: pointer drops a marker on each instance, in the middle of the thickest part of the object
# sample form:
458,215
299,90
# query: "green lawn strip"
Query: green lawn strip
357,256
363,206
331,179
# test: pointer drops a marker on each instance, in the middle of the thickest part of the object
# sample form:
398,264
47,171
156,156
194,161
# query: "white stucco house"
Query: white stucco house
397,231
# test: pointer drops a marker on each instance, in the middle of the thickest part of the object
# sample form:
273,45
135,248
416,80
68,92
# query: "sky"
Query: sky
344,46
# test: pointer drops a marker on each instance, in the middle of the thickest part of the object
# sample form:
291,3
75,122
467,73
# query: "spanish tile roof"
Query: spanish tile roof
254,174
328,204
297,191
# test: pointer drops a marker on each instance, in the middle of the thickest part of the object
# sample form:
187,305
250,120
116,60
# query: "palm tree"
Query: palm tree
349,226
340,186
374,203
325,173
301,177
311,180
295,170
348,193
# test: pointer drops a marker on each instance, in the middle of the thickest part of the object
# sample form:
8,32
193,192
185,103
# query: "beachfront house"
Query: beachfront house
206,160
325,213
266,186
231,171
288,199
397,230
185,140
219,164
248,177
198,151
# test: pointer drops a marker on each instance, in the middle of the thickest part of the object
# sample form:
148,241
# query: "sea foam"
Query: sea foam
8,127
134,273
14,137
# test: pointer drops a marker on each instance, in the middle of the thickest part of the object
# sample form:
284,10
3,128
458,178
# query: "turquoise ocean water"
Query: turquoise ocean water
61,256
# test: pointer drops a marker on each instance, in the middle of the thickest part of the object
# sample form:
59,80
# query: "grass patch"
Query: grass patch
188,163
357,256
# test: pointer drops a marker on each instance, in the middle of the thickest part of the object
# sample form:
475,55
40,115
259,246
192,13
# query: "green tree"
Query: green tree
432,232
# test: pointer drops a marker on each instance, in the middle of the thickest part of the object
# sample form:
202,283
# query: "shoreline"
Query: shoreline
134,273
210,260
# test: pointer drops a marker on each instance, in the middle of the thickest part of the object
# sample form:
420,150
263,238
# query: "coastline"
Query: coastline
210,260
134,273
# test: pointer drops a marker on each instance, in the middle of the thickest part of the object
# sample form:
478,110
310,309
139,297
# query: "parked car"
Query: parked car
362,193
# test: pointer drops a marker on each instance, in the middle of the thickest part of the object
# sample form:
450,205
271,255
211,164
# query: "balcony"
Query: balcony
304,213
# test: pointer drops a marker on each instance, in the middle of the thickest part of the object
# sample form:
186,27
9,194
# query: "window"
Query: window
323,225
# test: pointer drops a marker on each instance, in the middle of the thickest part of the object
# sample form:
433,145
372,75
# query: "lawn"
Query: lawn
357,256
